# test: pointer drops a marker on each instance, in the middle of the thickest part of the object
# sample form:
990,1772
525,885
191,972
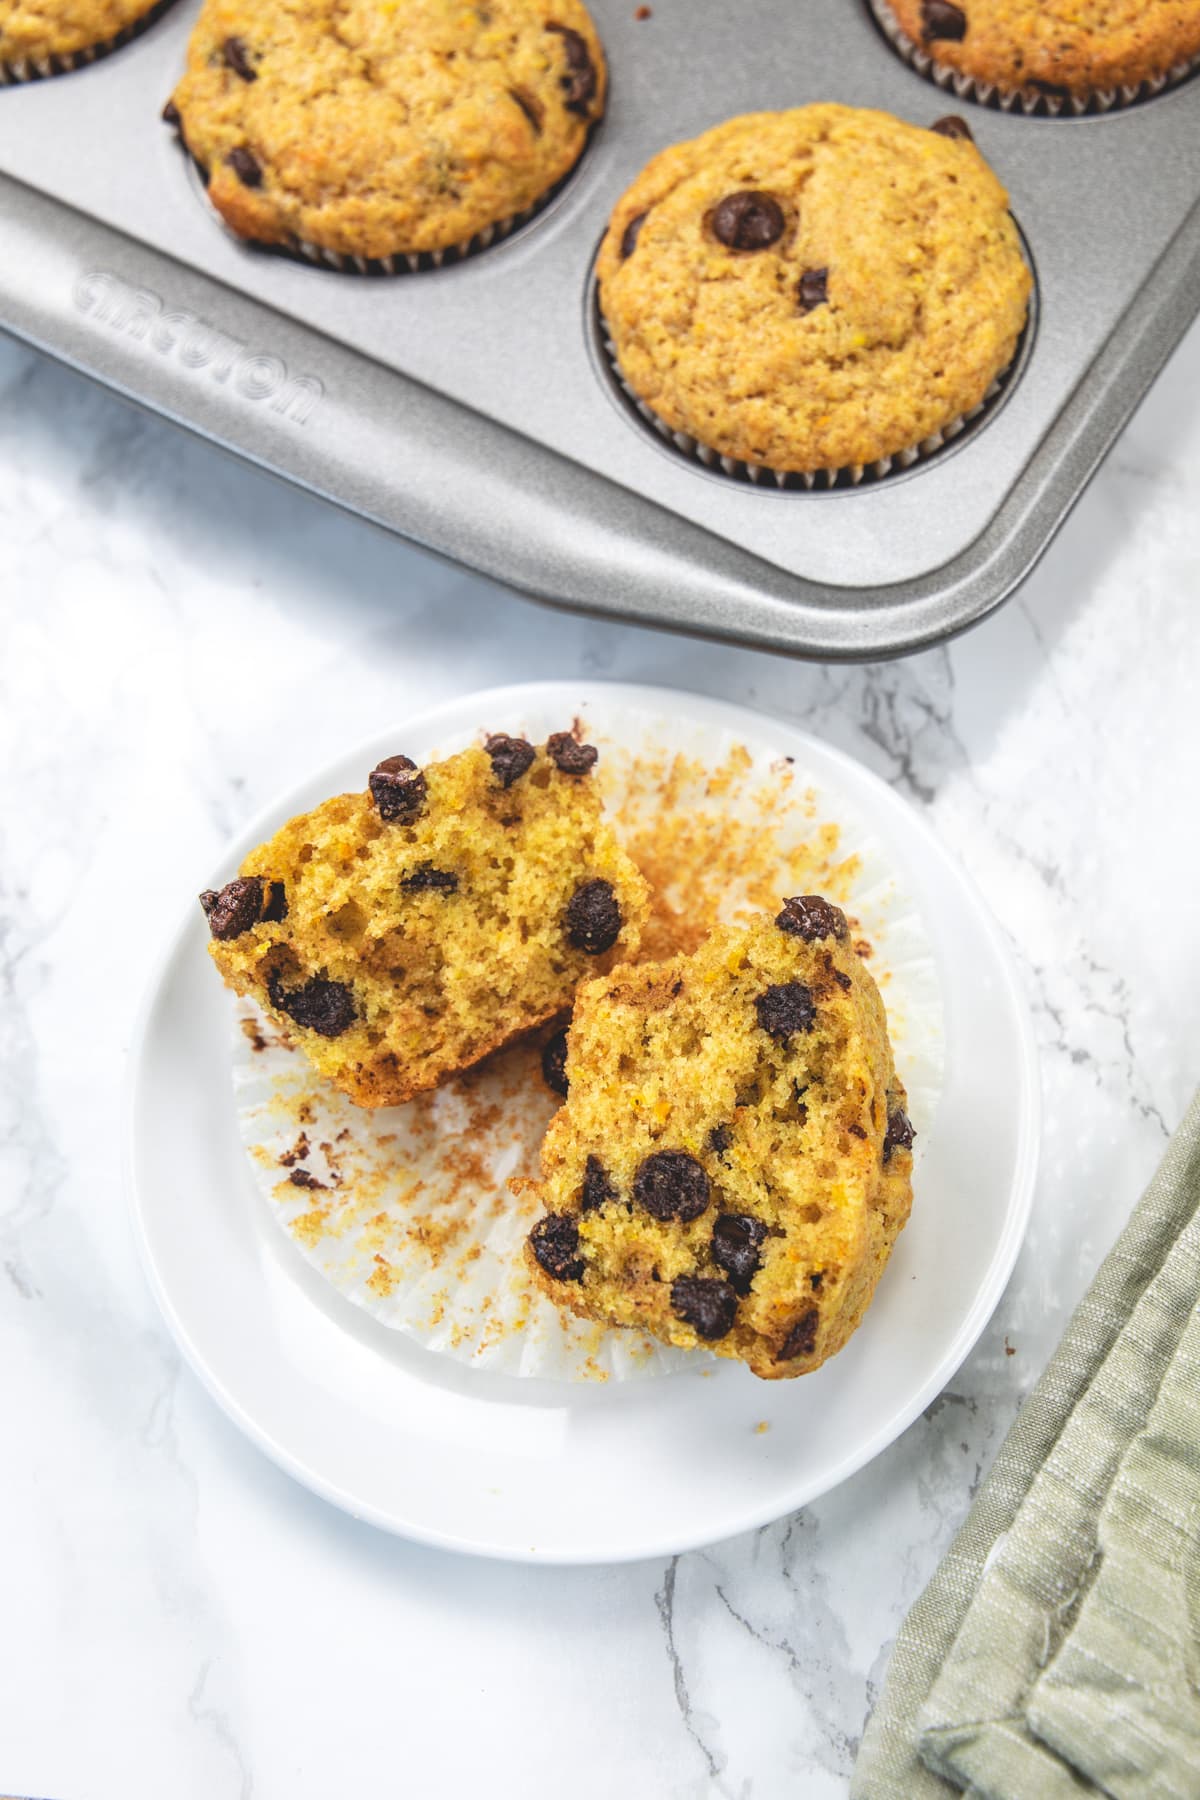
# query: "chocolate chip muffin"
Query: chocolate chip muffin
371,131
814,290
1062,49
48,37
401,934
732,1163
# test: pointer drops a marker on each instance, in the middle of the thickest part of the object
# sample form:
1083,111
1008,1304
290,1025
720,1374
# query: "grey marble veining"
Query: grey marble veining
181,637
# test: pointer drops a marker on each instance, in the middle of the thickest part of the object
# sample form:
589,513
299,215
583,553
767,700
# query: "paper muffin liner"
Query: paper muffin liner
413,262
406,1211
1031,101
43,68
849,475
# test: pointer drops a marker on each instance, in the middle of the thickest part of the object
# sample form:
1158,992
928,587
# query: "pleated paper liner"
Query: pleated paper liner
415,262
44,68
1034,102
407,1212
852,475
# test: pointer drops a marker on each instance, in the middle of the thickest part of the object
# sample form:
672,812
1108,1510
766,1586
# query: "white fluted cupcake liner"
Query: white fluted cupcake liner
1033,102
44,68
407,1211
850,475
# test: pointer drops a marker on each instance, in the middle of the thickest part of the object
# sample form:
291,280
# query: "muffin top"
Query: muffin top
40,28
1064,47
813,289
377,129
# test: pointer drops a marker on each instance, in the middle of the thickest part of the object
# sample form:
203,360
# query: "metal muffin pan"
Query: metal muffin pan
464,407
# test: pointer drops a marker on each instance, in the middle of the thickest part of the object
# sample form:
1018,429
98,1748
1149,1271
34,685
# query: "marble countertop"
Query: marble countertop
182,636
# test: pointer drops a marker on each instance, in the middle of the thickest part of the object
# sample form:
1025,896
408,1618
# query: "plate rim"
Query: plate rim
991,1288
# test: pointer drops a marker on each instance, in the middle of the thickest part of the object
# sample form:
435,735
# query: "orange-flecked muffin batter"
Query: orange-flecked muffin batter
732,1164
401,934
375,130
814,290
34,32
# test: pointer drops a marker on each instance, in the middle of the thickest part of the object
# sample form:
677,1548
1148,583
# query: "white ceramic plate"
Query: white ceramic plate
549,1471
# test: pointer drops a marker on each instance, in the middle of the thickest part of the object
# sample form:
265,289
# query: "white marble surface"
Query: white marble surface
180,637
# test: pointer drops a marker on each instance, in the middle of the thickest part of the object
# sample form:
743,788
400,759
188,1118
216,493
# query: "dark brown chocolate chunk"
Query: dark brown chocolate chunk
276,908
814,289
810,917
709,1307
571,757
785,1009
593,917
510,757
426,878
747,220
631,234
579,82
245,166
237,907
899,1134
555,1243
398,788
952,126
939,19
670,1184
302,1179
171,115
719,1139
842,979
530,106
554,1064
801,1340
237,58
736,1242
320,1005
597,1186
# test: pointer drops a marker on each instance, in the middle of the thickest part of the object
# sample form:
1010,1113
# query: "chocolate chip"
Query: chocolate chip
302,1179
171,115
810,917
237,907
953,127
815,1280
670,1184
579,82
593,917
786,1008
530,107
555,1243
326,1007
425,877
631,234
801,1340
814,289
710,1307
939,19
842,979
245,166
276,908
747,220
237,57
899,1134
597,1186
554,1064
398,788
510,757
719,1139
736,1241
572,758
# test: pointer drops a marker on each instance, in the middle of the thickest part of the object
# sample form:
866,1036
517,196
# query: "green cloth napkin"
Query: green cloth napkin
1056,1652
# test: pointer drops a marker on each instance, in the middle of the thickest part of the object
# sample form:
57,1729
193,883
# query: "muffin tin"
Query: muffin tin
469,407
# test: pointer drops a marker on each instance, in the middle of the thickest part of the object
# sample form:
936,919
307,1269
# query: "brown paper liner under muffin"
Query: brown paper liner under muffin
43,68
1034,102
401,262
850,475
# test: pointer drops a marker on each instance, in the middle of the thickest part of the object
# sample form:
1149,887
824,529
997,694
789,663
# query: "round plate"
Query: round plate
547,1471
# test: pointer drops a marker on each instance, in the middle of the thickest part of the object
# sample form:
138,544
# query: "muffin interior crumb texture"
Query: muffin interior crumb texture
733,1162
375,130
404,933
816,289
35,28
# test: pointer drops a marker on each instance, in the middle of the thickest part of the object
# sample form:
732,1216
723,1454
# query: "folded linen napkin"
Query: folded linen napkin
1056,1651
